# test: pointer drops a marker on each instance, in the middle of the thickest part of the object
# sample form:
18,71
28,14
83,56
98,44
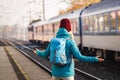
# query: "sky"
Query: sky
53,6
24,11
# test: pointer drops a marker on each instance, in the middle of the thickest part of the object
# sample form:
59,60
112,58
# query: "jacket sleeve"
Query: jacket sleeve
76,53
44,53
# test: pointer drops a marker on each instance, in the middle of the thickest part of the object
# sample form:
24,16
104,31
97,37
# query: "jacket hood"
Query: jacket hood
63,33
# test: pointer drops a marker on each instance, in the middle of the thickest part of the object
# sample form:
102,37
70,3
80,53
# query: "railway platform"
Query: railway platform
15,66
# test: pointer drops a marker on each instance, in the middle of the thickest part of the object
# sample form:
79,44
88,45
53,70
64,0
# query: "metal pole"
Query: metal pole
43,10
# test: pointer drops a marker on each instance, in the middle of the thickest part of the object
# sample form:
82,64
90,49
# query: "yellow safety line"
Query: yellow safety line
18,65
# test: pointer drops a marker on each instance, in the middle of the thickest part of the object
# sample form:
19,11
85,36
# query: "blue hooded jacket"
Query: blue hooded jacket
71,48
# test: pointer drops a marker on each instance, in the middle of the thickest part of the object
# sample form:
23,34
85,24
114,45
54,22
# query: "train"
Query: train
96,29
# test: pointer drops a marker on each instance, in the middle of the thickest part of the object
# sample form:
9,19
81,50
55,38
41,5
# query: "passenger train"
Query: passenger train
96,29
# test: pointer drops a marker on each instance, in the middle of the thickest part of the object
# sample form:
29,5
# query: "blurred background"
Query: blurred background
17,15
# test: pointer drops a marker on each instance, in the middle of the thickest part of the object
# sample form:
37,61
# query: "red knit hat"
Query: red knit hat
65,23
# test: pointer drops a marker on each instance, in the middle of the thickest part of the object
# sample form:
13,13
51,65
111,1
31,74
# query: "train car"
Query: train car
44,31
101,29
96,29
74,19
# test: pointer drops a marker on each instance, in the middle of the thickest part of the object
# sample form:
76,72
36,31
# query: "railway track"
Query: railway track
94,70
45,64
84,71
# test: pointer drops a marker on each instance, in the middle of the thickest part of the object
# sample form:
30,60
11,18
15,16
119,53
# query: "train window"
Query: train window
53,28
42,29
101,20
113,21
106,19
49,30
74,24
85,24
36,29
45,29
95,25
56,27
118,20
91,23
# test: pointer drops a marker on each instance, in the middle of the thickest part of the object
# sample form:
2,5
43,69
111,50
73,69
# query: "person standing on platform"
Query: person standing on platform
66,72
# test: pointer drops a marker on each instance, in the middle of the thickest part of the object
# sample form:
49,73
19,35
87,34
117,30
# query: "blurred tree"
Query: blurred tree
77,4
62,11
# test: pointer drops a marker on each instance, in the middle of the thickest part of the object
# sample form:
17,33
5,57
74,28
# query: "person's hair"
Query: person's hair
65,23
71,35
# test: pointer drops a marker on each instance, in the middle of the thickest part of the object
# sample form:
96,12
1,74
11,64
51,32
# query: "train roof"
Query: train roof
102,7
70,15
75,13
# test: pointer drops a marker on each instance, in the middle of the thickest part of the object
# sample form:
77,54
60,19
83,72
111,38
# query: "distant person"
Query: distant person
66,72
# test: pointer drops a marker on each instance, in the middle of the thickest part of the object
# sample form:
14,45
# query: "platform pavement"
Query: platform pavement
6,69
29,69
